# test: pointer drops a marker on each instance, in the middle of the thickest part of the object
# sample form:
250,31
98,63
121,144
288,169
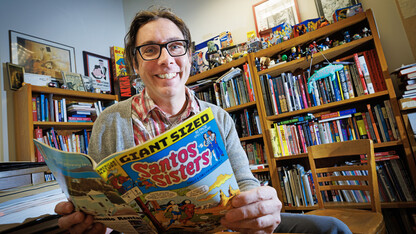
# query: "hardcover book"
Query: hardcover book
180,181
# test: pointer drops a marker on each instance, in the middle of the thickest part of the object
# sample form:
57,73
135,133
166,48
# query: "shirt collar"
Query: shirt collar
148,105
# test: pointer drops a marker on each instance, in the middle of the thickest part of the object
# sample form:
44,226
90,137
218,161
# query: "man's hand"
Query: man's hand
77,222
254,211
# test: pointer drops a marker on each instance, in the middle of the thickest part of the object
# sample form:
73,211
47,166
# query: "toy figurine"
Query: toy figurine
293,54
366,32
264,62
300,52
347,36
211,47
284,57
313,47
328,43
322,22
356,36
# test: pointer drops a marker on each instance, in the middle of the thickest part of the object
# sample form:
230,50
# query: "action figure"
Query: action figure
322,22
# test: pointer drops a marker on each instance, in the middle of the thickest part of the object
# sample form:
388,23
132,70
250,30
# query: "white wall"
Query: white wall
90,25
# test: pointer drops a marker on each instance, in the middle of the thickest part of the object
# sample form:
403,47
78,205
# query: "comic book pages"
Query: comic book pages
179,181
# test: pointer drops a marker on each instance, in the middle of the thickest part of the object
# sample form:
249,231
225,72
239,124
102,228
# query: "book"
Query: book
408,70
361,74
176,181
117,61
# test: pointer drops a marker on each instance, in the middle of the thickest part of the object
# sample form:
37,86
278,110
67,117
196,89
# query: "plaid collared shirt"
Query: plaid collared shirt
150,121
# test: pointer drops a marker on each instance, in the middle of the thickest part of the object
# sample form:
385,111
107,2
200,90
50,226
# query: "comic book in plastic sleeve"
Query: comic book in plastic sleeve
179,181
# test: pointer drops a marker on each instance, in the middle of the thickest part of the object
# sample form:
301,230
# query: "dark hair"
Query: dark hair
142,18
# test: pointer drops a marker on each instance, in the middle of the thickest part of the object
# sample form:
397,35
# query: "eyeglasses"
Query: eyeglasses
152,51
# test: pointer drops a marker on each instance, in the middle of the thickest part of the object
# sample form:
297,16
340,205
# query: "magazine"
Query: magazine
181,180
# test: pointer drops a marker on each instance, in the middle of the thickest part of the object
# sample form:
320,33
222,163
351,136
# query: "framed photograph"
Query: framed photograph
41,56
326,8
270,13
99,69
16,75
73,81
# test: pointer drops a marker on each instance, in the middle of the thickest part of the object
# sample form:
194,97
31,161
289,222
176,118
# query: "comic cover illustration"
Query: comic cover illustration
181,180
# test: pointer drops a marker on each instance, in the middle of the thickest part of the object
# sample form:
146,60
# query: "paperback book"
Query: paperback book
180,181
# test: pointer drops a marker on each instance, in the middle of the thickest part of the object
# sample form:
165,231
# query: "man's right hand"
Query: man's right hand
77,222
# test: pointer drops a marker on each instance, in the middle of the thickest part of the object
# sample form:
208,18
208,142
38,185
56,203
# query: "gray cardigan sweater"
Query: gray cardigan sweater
113,132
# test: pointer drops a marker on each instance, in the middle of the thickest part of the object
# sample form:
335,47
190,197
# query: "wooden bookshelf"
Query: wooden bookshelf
25,125
355,46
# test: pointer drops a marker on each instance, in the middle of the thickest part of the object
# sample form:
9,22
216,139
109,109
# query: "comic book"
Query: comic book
179,181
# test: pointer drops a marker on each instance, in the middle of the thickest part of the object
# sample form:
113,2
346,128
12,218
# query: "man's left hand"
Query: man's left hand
254,211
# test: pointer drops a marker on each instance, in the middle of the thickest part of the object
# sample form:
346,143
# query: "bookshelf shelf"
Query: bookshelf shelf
25,124
62,125
304,63
217,70
387,205
240,107
72,93
248,138
260,170
329,106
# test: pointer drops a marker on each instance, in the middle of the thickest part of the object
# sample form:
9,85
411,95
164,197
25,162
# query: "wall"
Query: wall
206,19
92,25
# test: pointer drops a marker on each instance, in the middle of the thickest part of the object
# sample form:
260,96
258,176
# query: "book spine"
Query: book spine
344,84
349,82
361,126
42,107
366,73
266,97
34,110
277,94
381,123
360,73
373,122
38,136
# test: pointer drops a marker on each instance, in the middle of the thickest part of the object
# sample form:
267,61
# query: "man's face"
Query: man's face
166,76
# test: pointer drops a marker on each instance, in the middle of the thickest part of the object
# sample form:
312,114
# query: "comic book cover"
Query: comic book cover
117,60
181,180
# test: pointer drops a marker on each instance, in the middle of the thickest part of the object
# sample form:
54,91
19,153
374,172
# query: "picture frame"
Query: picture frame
73,81
326,8
41,56
270,13
99,68
16,75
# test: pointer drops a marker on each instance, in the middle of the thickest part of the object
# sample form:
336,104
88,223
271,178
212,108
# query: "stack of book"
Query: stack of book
407,75
80,112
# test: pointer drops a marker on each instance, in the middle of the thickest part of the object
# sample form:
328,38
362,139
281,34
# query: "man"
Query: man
157,48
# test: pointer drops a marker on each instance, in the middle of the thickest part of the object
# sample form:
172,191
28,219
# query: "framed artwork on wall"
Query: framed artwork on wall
15,74
99,69
73,81
41,56
270,13
326,8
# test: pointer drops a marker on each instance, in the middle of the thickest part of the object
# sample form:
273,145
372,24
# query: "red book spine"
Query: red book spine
379,72
39,136
372,70
360,73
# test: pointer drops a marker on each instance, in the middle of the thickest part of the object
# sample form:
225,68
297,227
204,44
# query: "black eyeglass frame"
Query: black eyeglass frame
161,46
